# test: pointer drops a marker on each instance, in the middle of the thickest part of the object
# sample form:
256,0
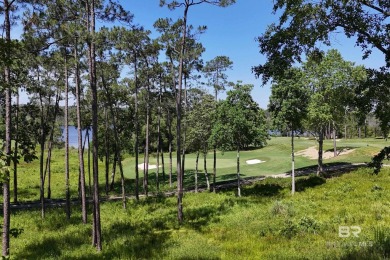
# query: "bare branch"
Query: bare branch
377,8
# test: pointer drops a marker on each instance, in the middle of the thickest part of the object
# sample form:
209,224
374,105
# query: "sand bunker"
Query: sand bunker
312,153
254,161
151,166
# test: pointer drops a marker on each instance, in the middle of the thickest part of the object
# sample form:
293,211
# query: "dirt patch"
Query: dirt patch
312,153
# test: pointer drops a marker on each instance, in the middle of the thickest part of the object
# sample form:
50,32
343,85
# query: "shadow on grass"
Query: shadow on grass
262,189
341,149
309,182
333,169
121,240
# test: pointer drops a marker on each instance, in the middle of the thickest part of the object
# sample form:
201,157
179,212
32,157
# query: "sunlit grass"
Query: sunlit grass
266,223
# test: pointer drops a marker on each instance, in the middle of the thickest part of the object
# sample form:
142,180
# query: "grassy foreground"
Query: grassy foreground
266,223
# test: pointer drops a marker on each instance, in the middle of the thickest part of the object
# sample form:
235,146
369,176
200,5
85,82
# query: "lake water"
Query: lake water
73,136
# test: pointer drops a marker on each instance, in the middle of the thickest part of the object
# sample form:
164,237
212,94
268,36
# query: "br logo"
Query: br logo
346,231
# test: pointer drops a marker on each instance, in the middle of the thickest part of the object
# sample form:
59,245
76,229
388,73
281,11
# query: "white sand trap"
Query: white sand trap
254,161
312,153
151,166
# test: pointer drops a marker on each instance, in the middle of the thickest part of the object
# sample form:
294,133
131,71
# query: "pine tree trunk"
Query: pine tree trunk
170,148
184,128
158,165
334,140
214,167
178,124
96,238
158,140
196,171
146,161
162,162
205,167
50,148
136,125
16,147
113,172
238,172
80,138
8,99
66,124
107,151
118,148
292,164
41,157
320,151
89,163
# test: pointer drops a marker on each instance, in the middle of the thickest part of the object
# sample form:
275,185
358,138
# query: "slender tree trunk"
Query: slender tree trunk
66,124
334,140
214,167
238,172
107,150
96,238
170,147
16,147
89,162
158,139
214,146
136,129
205,167
41,158
146,161
8,99
320,151
80,138
118,148
178,124
184,128
158,162
113,172
162,162
292,164
50,148
196,170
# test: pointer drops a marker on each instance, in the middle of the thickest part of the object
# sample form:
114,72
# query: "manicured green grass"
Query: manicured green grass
266,223
277,156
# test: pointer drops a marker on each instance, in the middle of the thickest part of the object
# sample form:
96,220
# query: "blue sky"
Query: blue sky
232,32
